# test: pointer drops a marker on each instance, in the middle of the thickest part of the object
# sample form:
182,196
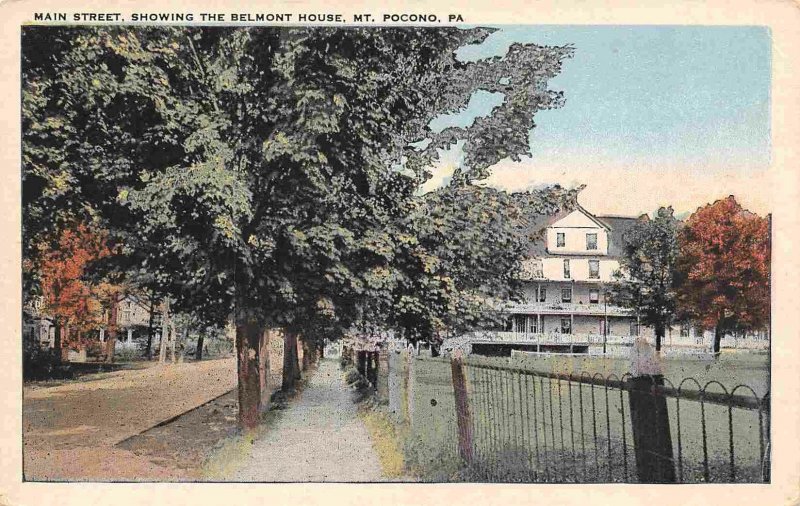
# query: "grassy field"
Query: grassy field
529,428
730,369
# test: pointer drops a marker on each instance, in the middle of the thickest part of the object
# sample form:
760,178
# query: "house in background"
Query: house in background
133,321
568,278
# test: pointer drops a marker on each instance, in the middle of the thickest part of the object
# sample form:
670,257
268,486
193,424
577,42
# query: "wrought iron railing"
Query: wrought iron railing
568,308
523,425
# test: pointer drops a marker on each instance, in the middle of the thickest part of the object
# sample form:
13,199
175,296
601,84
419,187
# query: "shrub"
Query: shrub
127,354
38,363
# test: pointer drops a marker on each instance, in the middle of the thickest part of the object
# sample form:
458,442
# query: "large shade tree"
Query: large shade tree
646,279
724,269
264,172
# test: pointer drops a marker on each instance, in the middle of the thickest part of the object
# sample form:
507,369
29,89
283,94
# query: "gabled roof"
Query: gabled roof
592,217
535,232
618,226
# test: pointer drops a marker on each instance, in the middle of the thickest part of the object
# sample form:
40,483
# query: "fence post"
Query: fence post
652,441
463,416
410,380
382,376
362,362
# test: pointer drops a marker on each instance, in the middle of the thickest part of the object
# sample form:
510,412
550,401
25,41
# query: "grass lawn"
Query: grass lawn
529,428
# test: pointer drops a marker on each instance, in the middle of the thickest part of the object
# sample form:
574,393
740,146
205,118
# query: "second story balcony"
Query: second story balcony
497,337
566,308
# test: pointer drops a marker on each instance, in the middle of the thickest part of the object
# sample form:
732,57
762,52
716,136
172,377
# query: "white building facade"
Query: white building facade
567,283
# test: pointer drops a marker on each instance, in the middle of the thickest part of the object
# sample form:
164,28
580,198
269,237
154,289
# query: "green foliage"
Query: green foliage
647,270
255,168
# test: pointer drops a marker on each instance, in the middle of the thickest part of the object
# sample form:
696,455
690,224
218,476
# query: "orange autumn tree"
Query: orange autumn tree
724,269
76,306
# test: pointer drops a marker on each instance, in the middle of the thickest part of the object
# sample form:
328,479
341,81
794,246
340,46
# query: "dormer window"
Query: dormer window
591,241
560,242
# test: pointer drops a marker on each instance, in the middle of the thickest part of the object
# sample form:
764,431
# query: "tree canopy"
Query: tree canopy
269,164
646,280
724,269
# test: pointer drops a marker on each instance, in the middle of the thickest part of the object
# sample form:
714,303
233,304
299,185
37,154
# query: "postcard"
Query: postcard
503,251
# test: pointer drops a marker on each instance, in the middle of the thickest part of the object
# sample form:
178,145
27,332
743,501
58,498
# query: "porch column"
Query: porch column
130,336
102,335
571,324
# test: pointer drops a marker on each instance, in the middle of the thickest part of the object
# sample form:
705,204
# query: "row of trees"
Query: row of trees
712,269
271,175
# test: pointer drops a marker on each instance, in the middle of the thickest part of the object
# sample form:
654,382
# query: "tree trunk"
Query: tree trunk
248,335
291,367
173,332
660,331
57,338
263,367
65,342
111,342
306,354
182,347
148,351
362,363
372,368
162,345
718,333
198,353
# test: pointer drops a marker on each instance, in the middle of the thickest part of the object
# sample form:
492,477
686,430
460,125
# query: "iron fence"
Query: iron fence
533,426
479,421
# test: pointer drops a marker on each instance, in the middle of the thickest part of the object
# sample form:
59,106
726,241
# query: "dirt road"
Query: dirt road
70,430
318,438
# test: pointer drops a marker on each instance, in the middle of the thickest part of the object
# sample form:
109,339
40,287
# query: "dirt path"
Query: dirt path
70,430
318,438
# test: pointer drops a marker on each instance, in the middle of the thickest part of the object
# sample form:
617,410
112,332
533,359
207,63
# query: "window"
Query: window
566,295
594,269
519,323
532,325
591,241
566,326
594,296
542,294
685,330
560,242
605,327
566,268
126,316
634,328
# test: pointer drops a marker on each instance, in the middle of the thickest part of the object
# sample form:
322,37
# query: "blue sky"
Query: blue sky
682,104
